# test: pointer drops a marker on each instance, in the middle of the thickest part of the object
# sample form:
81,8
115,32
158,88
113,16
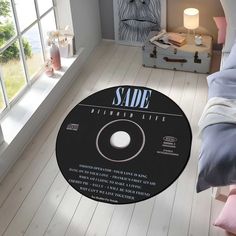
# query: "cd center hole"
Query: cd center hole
120,140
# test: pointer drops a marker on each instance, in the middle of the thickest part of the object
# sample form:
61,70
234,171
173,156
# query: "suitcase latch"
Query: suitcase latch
196,59
154,53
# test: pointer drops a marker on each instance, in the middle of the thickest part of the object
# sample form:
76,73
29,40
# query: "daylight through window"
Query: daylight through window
23,50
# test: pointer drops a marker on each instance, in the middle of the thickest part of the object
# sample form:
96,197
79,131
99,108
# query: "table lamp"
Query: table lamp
191,18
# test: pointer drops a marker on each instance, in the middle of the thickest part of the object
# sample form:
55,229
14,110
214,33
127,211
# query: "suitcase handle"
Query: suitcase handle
167,59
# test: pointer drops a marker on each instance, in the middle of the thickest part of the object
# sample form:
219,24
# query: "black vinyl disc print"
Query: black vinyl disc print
123,144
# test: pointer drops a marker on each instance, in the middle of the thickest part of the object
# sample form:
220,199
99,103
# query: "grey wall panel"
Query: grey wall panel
107,21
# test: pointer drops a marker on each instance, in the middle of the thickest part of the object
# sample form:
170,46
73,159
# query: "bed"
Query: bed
217,159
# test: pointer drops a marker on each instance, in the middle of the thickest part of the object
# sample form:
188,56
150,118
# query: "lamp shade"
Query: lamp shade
191,18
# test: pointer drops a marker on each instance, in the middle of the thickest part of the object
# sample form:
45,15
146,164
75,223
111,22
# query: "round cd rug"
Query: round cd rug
123,144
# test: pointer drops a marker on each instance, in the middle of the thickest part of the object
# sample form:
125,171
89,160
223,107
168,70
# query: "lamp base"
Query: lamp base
193,32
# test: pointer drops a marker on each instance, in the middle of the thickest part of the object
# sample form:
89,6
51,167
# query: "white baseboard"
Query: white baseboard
108,40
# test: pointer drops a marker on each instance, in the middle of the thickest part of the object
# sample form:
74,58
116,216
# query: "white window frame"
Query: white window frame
19,38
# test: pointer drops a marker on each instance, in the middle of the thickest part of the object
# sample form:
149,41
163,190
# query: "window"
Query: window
23,33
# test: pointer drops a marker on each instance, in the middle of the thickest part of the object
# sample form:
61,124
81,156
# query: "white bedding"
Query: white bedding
217,159
221,107
218,110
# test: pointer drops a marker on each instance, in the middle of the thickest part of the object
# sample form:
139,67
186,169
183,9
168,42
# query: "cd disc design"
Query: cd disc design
123,144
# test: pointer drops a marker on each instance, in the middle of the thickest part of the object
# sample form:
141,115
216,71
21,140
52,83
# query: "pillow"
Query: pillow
227,218
221,26
229,7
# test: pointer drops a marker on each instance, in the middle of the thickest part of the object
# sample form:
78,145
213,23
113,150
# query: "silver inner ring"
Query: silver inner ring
132,157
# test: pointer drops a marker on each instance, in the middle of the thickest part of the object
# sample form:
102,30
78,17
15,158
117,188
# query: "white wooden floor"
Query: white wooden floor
36,200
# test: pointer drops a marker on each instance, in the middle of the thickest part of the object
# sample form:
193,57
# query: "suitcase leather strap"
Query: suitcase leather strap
167,59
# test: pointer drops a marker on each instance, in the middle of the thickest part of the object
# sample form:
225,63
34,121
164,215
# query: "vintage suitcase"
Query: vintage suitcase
189,57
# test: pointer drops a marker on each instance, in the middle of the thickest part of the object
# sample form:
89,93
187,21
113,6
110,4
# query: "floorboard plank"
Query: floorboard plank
161,214
166,80
33,200
142,76
154,79
122,69
120,220
82,218
21,190
133,70
140,218
100,220
110,68
64,213
48,207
